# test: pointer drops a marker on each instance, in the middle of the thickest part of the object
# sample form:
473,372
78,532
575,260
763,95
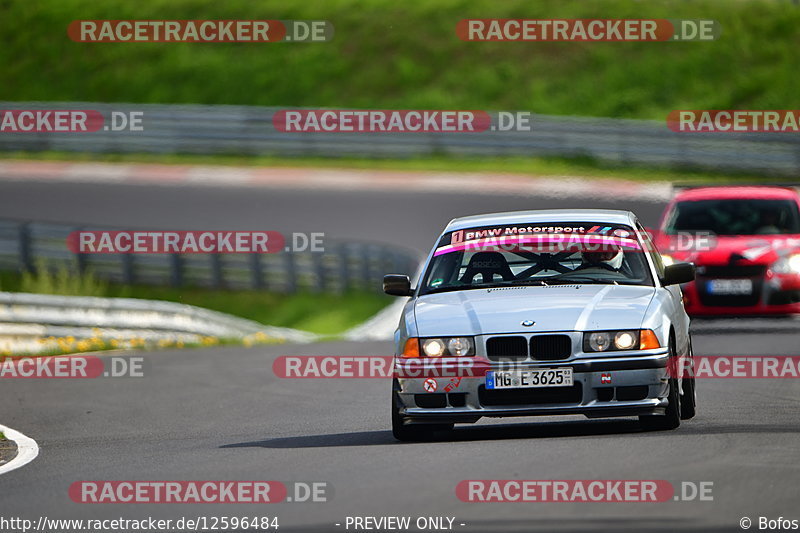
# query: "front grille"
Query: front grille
549,395
551,347
506,348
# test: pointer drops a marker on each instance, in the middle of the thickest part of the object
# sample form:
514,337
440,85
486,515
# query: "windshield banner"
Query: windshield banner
540,238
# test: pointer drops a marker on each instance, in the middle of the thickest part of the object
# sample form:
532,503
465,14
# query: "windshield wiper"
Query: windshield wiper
583,279
487,285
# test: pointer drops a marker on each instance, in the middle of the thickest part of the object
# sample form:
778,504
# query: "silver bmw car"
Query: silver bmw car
549,312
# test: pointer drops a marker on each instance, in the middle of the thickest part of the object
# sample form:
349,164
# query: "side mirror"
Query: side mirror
678,273
397,285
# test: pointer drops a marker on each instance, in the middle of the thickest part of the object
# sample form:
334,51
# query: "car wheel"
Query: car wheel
688,399
412,432
689,396
671,418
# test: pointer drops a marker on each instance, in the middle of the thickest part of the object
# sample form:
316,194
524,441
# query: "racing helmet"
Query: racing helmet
610,258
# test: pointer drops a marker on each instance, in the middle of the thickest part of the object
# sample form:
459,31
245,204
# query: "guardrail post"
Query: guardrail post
342,250
366,271
291,273
317,259
216,271
176,270
80,260
128,275
24,243
256,272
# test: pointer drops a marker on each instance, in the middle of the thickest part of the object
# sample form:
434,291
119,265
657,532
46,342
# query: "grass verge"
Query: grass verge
321,313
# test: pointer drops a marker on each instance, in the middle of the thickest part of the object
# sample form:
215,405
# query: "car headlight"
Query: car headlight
459,346
599,341
612,341
626,340
448,346
667,260
787,265
433,347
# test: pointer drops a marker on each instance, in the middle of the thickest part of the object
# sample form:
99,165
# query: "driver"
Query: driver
768,224
610,259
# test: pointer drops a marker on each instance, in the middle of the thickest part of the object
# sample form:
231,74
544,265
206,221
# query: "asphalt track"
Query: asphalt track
221,414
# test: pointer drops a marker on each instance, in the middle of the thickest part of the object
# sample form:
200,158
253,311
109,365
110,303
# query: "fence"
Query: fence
249,130
342,266
32,323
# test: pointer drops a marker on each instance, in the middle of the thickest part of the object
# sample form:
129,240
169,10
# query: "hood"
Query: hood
553,308
724,250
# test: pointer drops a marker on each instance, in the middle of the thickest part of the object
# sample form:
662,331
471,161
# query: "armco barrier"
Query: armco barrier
341,267
189,129
26,319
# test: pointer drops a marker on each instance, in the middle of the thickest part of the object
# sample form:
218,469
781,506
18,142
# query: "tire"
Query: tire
688,399
671,419
689,396
412,432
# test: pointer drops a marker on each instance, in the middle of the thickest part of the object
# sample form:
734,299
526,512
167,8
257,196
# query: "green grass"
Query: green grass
534,166
389,54
325,314
61,281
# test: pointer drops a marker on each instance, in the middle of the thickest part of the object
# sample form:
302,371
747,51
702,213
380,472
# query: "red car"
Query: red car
745,243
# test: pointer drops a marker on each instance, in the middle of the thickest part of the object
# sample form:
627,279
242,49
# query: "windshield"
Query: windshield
578,253
735,217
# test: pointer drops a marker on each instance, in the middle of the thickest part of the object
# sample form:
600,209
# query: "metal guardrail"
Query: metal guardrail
249,130
342,266
29,322
130,313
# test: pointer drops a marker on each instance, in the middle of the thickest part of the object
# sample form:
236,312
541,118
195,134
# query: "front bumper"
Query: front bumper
603,387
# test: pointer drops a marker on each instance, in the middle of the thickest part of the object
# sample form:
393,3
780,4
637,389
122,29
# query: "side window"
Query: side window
650,249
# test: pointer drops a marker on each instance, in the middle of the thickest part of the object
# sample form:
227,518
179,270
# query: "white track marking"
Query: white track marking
27,449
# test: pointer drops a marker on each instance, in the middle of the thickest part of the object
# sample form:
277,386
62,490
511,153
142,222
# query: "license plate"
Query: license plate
730,286
526,379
